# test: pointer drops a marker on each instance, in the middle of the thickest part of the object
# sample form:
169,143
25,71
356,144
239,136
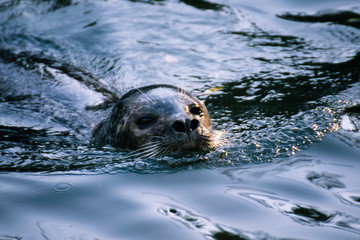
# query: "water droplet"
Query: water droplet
139,165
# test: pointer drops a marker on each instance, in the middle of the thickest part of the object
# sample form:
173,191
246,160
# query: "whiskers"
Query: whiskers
182,89
144,94
149,150
160,147
207,143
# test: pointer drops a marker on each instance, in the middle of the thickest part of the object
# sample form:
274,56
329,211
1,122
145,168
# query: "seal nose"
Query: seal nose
185,126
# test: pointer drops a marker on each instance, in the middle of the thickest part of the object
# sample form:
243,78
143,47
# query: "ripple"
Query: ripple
207,227
303,214
351,198
62,187
325,180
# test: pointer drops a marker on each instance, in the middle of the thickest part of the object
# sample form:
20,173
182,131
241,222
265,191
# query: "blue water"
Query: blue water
281,82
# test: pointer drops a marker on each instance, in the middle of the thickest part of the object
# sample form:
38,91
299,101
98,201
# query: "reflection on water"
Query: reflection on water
281,82
276,96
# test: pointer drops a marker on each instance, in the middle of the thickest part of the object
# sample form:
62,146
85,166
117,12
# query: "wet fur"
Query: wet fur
111,131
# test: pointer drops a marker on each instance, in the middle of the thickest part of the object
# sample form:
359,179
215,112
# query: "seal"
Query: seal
156,120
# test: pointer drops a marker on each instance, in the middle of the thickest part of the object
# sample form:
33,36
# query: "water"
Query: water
280,80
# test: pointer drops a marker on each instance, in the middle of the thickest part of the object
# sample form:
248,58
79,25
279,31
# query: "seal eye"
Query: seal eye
196,110
145,122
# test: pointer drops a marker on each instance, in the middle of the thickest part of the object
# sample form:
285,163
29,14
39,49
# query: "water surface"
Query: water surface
281,82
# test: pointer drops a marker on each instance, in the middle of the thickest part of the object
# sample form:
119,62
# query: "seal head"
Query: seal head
157,120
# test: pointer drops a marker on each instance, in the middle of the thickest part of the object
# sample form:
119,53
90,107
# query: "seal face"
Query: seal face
157,120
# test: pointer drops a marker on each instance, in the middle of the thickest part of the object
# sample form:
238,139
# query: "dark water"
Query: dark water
280,79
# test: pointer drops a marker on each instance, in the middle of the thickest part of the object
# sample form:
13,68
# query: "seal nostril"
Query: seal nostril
194,124
179,126
186,126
